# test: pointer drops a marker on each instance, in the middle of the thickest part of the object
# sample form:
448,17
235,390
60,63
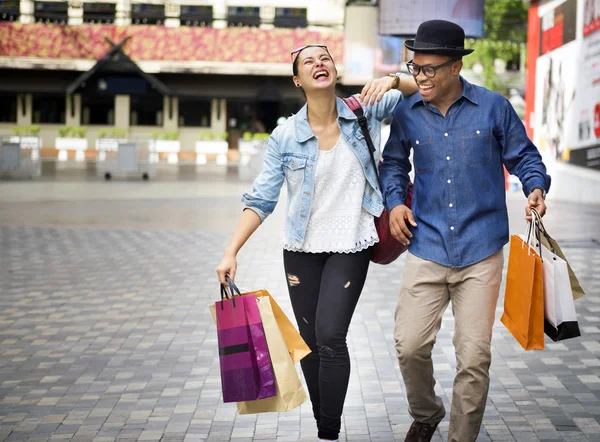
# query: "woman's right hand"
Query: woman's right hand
227,266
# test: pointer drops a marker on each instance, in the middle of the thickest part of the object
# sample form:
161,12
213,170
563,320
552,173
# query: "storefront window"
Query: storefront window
146,110
49,108
98,109
8,108
194,112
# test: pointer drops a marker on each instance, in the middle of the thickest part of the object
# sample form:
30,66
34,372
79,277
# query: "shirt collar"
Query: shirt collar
468,93
303,129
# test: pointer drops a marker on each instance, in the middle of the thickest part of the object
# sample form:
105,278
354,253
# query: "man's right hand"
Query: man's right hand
400,217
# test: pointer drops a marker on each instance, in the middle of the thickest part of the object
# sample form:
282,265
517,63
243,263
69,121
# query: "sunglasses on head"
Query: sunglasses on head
297,51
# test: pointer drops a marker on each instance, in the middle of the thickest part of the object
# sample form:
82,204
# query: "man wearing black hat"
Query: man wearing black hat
461,135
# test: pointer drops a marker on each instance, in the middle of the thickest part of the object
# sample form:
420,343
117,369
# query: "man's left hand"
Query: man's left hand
535,201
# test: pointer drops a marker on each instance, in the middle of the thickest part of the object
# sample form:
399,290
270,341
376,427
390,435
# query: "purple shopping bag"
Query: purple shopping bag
246,370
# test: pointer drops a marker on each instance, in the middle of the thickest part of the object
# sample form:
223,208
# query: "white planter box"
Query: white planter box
249,149
172,147
165,146
109,144
218,148
28,142
77,144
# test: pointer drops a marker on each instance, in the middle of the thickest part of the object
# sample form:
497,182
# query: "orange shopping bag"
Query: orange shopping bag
524,298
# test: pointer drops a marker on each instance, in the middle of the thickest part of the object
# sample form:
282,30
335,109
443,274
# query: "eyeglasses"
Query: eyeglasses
295,52
428,70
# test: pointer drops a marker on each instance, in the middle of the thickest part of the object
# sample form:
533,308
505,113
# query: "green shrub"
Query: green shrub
34,130
260,136
23,131
171,135
78,132
64,131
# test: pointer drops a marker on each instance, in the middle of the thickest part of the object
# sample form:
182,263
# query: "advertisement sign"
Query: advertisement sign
558,26
585,139
403,17
591,16
556,90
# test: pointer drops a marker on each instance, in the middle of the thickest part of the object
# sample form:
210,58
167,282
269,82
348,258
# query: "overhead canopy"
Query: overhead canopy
118,66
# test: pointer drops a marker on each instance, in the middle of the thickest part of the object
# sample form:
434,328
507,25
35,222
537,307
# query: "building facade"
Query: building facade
153,67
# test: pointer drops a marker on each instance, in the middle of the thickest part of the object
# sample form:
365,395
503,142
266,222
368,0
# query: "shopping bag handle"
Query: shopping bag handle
542,230
534,226
224,294
232,287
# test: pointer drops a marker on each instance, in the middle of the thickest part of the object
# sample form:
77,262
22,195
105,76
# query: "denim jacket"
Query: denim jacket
292,152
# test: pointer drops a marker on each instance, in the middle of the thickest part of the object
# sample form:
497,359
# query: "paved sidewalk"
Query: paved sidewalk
105,333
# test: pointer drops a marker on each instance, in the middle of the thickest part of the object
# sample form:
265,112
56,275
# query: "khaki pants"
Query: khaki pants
426,290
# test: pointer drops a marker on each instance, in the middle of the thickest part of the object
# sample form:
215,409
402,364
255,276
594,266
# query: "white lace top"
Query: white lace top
338,222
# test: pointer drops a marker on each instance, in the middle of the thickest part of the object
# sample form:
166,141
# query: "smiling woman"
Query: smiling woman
333,197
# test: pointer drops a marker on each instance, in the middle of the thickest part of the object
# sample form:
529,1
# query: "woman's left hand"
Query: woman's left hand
375,89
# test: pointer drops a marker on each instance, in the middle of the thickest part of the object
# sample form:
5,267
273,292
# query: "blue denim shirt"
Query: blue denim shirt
291,154
459,199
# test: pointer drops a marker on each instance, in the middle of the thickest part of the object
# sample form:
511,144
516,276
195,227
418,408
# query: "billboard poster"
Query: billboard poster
403,17
558,26
585,137
591,16
556,87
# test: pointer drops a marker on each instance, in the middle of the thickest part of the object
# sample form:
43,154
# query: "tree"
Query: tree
505,30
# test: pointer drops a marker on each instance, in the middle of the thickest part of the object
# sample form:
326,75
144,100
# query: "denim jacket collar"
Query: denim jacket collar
468,92
303,129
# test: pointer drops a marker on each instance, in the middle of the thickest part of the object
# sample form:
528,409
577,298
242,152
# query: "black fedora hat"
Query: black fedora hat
439,37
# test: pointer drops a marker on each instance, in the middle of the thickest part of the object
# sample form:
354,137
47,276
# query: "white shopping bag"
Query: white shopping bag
560,318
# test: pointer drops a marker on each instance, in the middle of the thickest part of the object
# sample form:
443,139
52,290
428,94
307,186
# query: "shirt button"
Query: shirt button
448,158
446,134
450,204
451,227
354,144
417,141
449,181
478,132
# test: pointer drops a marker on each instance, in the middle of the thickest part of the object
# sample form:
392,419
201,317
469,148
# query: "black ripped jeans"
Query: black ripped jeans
324,290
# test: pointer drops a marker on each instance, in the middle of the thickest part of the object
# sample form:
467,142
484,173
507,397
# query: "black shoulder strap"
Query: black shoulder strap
356,107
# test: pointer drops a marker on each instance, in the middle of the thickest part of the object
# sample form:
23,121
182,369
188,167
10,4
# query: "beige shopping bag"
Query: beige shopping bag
290,392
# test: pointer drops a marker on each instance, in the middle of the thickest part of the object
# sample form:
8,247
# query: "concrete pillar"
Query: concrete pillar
122,111
220,14
24,109
75,14
171,124
26,9
123,13
172,12
73,108
267,14
218,115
